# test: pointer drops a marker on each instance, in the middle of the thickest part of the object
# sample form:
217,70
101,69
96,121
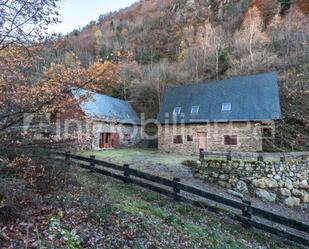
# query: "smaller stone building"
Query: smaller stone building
114,122
236,114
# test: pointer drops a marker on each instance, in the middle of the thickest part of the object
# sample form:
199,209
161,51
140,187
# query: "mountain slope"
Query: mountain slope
156,28
160,42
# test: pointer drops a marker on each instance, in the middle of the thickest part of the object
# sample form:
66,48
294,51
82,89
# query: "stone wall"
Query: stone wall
133,131
248,136
271,181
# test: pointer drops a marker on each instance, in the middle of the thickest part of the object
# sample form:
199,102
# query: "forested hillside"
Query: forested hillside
135,54
155,43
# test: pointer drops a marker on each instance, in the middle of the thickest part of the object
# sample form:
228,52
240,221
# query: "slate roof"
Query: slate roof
252,98
107,108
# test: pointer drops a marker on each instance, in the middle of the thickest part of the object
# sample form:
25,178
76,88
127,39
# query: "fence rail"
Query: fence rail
248,214
258,156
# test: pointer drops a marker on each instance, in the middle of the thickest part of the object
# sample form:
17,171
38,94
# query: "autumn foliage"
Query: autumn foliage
180,42
107,76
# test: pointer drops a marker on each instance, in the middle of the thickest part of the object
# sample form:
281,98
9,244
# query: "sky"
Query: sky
78,13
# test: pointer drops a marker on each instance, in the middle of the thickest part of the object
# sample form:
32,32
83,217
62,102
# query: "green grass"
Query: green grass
165,221
122,156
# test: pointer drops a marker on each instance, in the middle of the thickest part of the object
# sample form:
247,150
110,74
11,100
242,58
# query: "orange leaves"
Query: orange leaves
32,80
25,168
29,83
303,5
103,76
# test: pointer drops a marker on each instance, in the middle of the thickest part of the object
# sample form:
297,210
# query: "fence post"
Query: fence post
246,209
260,158
126,173
176,189
229,156
202,156
92,164
67,157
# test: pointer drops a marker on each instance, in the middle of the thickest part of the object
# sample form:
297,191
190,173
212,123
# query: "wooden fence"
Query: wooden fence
249,215
256,156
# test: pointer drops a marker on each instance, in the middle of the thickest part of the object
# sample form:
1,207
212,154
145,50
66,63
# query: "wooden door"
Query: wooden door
108,140
116,140
202,141
105,140
101,143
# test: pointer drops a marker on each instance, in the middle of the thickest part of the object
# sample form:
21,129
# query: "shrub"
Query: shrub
191,163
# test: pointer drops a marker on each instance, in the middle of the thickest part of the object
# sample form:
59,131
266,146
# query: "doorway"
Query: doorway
202,141
109,140
105,140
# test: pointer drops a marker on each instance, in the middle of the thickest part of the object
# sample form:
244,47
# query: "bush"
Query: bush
24,181
191,163
14,197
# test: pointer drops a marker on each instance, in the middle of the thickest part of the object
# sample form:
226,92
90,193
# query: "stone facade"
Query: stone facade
129,135
271,181
249,137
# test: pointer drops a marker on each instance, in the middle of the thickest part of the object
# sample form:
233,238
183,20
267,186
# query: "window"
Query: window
226,107
177,110
127,137
230,140
189,138
195,109
178,139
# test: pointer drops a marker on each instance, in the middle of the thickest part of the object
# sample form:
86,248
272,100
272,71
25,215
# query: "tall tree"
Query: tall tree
98,42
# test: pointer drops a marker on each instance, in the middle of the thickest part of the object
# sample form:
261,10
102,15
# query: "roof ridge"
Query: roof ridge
227,79
105,95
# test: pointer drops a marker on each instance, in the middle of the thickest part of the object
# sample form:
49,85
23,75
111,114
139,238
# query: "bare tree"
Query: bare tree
251,36
215,41
23,21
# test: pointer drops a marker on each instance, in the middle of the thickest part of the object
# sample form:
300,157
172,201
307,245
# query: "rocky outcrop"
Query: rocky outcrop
271,181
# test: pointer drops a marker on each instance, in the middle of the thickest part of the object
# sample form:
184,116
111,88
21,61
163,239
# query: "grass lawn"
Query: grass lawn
122,156
149,220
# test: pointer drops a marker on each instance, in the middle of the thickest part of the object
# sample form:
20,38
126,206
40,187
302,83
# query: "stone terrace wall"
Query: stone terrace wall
271,181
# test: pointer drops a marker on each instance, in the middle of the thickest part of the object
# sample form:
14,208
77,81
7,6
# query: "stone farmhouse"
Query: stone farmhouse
229,115
114,123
